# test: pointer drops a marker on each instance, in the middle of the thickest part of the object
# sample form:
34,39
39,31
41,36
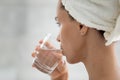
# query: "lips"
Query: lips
62,50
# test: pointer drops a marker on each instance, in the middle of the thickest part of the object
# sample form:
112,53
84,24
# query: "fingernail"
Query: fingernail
33,66
40,41
37,48
33,54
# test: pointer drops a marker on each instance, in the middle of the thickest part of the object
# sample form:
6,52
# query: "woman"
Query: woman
89,29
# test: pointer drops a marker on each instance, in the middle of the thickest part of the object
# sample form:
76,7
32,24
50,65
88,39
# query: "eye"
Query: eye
58,24
56,19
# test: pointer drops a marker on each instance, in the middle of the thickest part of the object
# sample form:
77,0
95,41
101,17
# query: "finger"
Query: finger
37,48
49,45
34,54
62,66
41,41
33,65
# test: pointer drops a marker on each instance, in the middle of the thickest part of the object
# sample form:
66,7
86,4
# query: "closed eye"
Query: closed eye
58,24
56,19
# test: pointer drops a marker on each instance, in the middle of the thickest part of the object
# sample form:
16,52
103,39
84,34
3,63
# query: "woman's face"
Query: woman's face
72,43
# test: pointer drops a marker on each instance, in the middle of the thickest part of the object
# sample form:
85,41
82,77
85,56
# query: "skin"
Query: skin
87,45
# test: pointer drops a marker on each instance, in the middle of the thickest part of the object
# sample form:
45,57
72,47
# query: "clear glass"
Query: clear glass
48,58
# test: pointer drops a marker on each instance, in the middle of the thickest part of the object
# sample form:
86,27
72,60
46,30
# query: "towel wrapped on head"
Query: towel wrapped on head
99,14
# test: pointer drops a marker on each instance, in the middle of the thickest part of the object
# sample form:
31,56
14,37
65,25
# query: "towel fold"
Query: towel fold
99,14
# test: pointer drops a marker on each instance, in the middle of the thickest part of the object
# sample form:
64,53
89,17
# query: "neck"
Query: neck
101,63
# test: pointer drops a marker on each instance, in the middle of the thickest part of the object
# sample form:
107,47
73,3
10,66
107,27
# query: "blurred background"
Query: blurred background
22,24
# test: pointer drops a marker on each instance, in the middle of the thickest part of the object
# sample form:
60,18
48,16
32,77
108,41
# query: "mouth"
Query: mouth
62,50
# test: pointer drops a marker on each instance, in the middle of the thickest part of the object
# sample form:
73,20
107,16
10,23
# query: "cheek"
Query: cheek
71,42
69,38
66,36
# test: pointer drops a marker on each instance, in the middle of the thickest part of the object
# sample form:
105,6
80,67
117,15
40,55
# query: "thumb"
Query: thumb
62,66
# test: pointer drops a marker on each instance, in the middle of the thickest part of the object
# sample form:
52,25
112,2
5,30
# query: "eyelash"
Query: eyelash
58,24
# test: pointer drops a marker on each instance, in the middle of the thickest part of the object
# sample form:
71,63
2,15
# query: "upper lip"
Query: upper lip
61,49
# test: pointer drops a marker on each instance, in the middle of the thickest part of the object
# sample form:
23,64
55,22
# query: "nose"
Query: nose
58,38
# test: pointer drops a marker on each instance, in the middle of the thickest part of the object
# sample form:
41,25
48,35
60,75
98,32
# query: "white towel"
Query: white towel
100,14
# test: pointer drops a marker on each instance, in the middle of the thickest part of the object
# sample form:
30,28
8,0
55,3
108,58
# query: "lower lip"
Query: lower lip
62,50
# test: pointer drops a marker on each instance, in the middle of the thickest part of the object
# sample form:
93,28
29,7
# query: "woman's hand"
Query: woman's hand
60,72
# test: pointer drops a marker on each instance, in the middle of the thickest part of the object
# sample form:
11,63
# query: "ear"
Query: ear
83,29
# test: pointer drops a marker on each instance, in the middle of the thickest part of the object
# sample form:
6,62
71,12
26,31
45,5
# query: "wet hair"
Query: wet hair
63,7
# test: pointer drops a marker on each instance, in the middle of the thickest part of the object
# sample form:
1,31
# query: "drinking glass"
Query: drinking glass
47,58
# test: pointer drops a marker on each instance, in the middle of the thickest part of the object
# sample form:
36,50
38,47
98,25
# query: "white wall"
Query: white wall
22,24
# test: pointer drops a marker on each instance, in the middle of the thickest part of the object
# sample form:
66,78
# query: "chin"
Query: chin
72,61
